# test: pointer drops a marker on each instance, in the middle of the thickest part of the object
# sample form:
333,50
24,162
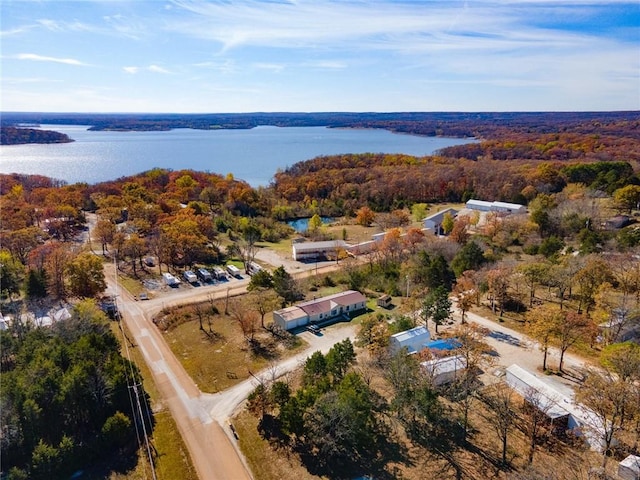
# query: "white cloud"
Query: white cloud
272,67
41,58
151,68
326,64
157,69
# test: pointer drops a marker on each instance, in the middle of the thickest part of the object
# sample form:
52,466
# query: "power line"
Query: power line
134,385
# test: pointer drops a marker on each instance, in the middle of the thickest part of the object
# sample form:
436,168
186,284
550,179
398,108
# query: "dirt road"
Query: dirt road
512,347
203,419
213,453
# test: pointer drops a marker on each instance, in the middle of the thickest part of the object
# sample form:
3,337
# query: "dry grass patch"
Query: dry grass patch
267,462
221,358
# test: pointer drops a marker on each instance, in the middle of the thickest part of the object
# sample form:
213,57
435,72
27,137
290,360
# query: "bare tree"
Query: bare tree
502,416
246,317
474,351
536,408
610,401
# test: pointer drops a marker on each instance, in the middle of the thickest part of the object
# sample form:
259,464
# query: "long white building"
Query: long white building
501,207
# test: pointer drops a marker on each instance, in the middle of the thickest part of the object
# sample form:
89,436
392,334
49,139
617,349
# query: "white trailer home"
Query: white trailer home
560,408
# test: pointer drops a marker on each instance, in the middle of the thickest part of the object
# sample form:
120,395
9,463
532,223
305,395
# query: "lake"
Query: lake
253,155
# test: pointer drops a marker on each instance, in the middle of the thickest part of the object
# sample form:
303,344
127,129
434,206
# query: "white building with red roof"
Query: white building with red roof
320,310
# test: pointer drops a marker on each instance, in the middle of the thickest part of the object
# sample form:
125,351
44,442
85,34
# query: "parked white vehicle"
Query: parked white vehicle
170,279
234,271
190,277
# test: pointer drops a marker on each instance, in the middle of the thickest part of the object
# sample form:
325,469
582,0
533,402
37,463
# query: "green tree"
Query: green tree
117,430
627,198
339,359
286,286
414,400
315,223
447,223
469,257
419,211
439,274
261,280
437,306
11,274
315,372
86,276
36,283
550,246
341,426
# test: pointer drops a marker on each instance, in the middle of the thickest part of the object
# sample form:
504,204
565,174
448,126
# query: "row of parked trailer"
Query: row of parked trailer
203,275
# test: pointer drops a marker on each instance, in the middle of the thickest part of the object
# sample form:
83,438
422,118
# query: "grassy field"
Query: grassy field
222,359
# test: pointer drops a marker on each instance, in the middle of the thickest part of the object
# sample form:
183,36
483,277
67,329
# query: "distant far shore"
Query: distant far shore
433,124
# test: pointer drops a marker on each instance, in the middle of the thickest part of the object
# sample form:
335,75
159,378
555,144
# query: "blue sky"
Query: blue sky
319,55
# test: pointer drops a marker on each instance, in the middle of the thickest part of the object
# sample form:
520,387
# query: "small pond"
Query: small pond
301,225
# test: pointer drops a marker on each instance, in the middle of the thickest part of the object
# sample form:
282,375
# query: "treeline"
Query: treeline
485,125
66,398
18,136
343,183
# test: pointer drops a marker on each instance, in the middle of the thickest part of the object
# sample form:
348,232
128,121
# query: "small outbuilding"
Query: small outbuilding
414,340
384,301
444,370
